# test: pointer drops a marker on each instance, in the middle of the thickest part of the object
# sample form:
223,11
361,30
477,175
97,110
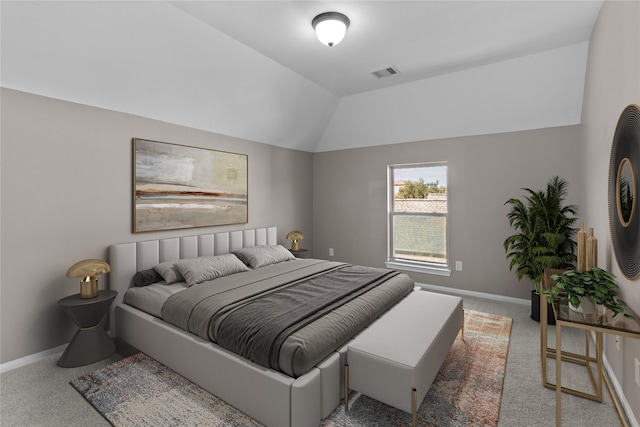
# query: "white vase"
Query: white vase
586,306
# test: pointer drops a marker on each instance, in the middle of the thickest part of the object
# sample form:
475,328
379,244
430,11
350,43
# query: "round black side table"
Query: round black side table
300,253
91,343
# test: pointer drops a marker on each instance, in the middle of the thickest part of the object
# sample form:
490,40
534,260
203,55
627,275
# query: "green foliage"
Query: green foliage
626,199
419,189
544,235
598,286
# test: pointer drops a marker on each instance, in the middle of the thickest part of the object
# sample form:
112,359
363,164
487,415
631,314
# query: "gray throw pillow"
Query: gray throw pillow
198,270
169,272
260,256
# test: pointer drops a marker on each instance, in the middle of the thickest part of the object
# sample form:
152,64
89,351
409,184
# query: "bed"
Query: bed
288,387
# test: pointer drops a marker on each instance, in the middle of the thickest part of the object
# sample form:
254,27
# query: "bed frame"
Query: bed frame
268,396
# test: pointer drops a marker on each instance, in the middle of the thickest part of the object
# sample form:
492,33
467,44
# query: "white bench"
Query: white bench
396,359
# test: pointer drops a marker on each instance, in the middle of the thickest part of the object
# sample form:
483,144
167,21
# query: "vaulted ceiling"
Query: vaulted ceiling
254,69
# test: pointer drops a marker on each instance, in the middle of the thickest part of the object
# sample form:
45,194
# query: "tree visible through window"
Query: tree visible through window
418,217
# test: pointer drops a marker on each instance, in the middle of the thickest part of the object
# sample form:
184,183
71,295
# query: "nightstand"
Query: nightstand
300,253
91,343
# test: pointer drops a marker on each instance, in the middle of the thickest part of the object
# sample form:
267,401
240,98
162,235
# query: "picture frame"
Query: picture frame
179,186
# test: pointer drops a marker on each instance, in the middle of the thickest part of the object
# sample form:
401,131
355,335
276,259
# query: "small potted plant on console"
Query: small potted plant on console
586,289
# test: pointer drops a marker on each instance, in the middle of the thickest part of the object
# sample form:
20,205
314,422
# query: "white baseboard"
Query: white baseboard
27,360
622,399
475,294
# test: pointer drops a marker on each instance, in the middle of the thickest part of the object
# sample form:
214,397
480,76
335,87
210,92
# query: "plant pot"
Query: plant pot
586,306
535,309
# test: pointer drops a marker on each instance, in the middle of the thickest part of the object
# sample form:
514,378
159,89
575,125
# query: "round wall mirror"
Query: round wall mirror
624,215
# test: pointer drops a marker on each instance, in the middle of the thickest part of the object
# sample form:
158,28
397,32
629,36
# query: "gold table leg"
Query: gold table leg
414,407
579,359
616,403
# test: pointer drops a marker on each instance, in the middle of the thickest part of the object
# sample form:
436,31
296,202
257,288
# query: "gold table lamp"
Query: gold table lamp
295,237
88,269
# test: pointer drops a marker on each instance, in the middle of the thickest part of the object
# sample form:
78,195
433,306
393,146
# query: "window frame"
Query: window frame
426,267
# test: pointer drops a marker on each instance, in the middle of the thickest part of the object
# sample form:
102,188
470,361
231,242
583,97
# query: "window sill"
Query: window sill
419,267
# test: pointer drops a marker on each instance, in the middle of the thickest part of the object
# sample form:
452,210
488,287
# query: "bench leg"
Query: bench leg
462,325
414,407
346,387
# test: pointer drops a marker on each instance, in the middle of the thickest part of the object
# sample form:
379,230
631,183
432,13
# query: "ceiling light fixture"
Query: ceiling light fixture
330,27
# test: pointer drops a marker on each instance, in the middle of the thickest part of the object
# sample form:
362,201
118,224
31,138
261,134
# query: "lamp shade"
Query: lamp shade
88,269
330,27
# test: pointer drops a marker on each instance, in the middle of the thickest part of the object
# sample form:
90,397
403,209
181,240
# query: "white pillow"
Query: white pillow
259,256
198,270
168,272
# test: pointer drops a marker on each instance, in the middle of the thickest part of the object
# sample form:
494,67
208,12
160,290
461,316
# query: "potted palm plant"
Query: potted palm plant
544,236
593,287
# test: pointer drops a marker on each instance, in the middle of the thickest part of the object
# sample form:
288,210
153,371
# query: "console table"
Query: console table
601,321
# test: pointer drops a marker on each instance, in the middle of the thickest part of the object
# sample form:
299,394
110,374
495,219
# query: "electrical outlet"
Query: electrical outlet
330,251
458,265
637,366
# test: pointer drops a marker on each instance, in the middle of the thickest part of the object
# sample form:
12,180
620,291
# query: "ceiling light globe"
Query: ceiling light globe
330,27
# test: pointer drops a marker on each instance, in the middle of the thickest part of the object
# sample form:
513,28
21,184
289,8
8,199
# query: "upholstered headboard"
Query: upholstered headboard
128,258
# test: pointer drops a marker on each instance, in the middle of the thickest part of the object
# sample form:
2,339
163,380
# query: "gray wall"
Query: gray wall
612,83
67,195
350,199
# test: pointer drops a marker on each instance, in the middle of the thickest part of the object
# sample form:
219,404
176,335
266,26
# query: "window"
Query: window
418,218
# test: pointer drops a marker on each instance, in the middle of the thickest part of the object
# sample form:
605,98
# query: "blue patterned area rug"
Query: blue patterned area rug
139,391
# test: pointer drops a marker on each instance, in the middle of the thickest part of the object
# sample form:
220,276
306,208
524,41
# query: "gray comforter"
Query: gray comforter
287,316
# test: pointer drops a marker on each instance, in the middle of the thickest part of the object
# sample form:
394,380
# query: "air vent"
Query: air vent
385,72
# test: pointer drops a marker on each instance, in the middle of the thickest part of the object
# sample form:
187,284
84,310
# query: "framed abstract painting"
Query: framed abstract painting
177,186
